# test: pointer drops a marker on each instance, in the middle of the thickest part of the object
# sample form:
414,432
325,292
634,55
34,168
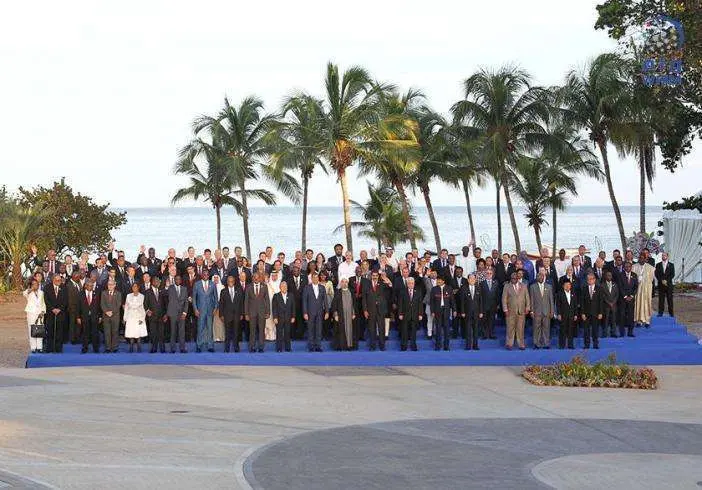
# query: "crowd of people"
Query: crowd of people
219,297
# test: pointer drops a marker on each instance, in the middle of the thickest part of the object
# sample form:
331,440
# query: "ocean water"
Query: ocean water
279,227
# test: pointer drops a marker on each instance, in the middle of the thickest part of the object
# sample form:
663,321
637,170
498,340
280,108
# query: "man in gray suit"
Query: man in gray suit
177,311
257,308
542,310
110,304
314,310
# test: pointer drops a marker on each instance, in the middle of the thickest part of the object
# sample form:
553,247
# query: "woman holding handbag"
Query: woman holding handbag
35,310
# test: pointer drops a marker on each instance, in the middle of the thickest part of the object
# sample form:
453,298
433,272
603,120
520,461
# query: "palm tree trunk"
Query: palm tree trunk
537,234
218,212
553,222
245,218
612,197
499,218
17,281
513,221
405,213
470,211
305,184
432,217
642,192
347,208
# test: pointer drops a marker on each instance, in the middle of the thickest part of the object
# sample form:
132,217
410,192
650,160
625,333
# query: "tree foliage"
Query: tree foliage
74,222
683,104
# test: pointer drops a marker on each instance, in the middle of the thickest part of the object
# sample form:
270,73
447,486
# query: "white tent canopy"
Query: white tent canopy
683,234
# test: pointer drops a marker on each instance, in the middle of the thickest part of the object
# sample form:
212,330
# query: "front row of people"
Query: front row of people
146,313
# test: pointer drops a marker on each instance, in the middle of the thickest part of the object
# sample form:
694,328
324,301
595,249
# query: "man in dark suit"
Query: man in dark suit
585,260
628,284
610,299
74,292
490,291
89,316
110,305
154,305
471,311
296,285
567,305
231,310
591,308
665,272
375,307
283,317
442,305
314,312
441,263
189,281
458,283
176,312
410,311
257,309
56,299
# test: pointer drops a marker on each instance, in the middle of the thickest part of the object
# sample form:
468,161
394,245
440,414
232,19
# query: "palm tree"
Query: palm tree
434,161
391,150
298,146
350,108
211,182
20,228
567,157
531,186
240,132
595,100
470,173
509,114
383,219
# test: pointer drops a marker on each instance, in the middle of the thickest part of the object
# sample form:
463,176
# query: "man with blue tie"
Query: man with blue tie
204,304
314,311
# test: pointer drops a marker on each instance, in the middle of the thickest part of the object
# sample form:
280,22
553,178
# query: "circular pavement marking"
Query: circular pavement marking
476,453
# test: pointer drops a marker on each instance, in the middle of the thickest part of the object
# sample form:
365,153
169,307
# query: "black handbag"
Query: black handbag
38,330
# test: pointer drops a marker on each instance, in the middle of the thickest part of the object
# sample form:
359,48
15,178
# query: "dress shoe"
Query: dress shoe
446,348
382,348
475,347
226,350
371,348
547,347
173,351
414,348
467,347
84,350
660,315
493,337
210,350
287,349
260,350
153,350
236,349
319,349
536,347
403,348
198,350
630,335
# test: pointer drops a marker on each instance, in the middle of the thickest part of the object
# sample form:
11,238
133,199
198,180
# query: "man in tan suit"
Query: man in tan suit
515,304
110,303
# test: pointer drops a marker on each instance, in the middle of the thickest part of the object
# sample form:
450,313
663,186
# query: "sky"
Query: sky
104,93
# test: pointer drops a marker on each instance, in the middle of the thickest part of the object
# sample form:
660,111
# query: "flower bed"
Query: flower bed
579,372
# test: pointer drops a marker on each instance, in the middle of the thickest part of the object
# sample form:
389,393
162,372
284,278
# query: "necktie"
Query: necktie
56,291
590,292
297,282
111,294
205,285
90,297
442,295
358,286
177,290
609,286
410,294
256,289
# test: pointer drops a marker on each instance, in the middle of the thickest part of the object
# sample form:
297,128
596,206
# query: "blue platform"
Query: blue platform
665,343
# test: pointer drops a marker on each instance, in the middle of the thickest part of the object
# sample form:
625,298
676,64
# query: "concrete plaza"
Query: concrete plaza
342,427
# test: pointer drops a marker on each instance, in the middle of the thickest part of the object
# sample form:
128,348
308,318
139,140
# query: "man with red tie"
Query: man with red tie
375,308
89,317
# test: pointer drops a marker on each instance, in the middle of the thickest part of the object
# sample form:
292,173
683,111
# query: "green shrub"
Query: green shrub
603,374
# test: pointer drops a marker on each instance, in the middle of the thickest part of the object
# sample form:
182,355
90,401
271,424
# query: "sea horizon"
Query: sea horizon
164,227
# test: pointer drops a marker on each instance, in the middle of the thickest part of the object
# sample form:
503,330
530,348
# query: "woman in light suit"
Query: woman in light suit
35,308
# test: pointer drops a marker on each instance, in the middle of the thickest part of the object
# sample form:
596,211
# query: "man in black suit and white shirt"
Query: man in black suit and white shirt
665,272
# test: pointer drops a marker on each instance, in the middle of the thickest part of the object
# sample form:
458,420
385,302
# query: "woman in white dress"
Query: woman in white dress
273,288
35,309
134,318
217,322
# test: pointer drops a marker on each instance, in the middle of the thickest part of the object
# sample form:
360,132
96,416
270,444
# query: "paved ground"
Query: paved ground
271,427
